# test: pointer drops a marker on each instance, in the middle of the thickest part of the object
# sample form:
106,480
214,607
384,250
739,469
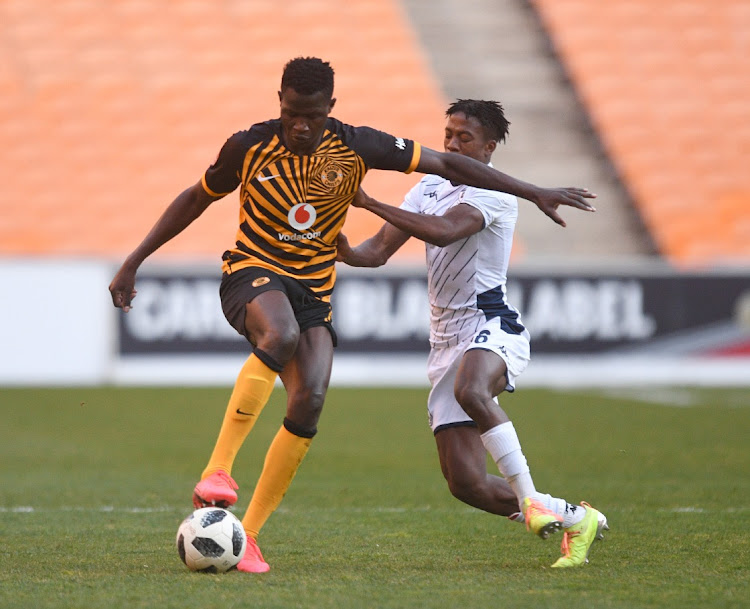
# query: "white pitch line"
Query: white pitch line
28,509
690,509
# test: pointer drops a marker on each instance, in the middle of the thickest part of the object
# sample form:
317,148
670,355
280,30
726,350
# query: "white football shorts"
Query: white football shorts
442,367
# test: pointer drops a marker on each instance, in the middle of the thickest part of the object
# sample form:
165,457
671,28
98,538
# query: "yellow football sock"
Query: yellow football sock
251,392
282,460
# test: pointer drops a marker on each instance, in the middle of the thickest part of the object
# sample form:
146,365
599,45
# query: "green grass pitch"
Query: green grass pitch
95,481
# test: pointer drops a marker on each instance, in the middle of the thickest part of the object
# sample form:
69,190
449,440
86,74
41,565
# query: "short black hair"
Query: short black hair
307,76
489,114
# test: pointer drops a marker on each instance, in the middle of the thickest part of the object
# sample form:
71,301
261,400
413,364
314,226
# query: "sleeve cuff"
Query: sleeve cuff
415,157
209,191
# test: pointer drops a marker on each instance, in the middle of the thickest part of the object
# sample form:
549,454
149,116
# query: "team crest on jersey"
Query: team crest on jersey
332,175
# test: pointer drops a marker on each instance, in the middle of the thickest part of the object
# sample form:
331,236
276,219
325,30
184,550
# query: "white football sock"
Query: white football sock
503,445
573,515
553,504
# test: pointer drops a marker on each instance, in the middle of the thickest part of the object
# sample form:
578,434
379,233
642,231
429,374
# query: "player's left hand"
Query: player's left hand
549,199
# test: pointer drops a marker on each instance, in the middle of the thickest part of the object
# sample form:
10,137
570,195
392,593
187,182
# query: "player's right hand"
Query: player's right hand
360,199
123,289
343,249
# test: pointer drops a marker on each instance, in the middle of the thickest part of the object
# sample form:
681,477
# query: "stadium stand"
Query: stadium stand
499,50
666,85
107,109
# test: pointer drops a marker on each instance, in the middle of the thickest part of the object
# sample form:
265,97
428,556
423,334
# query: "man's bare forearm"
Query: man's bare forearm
431,229
366,254
465,170
182,212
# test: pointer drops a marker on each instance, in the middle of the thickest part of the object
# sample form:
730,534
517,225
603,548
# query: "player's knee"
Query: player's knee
471,399
280,342
305,405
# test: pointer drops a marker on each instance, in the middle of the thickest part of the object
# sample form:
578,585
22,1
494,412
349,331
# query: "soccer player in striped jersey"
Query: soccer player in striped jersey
297,176
479,345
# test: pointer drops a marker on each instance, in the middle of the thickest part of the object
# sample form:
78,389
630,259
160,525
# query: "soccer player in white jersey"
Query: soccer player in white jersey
479,345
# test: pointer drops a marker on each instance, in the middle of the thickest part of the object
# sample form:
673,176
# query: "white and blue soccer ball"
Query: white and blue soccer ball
211,540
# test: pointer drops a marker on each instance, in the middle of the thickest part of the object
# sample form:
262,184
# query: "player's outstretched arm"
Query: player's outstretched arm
186,207
465,170
375,251
457,223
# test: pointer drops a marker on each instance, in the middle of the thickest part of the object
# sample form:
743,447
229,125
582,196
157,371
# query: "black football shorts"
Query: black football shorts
243,285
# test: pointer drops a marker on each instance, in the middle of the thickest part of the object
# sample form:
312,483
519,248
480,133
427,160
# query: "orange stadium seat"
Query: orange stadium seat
667,87
109,109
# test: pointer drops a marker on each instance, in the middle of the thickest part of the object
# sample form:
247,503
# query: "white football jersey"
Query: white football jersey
467,278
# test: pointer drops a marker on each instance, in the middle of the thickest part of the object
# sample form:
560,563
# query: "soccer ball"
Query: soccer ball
211,540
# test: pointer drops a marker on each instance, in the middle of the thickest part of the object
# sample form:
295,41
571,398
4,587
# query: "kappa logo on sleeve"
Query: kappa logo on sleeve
400,143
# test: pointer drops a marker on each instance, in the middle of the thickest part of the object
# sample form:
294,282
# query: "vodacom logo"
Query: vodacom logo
302,216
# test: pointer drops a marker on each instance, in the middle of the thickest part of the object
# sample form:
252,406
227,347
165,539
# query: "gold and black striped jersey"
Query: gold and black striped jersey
293,207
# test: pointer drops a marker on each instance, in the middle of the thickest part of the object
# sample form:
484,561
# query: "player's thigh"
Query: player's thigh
442,408
307,374
270,324
510,347
462,454
256,303
481,371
